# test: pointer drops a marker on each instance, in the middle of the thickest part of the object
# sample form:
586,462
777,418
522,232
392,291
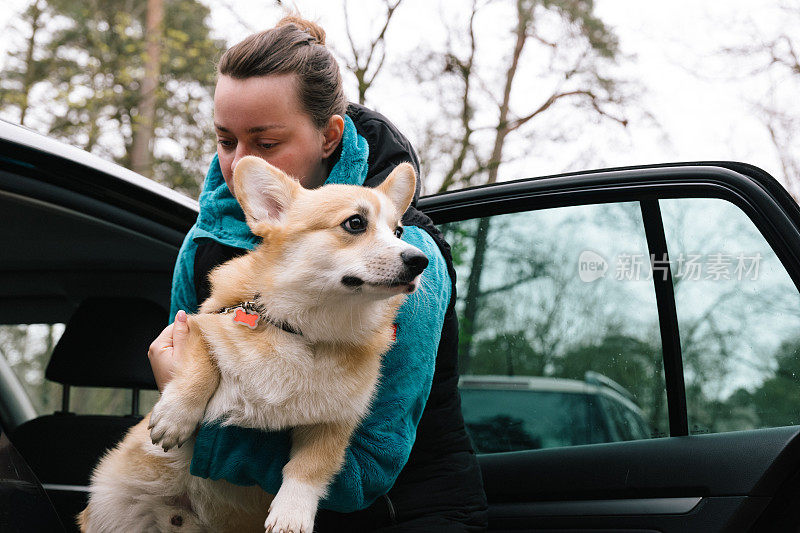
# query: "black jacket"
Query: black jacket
440,488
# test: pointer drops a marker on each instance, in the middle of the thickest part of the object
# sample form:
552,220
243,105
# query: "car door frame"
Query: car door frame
709,495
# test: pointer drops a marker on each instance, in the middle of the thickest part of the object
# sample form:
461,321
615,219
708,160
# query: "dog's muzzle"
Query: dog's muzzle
414,262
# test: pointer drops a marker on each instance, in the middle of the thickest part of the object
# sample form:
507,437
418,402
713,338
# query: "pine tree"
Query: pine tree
94,72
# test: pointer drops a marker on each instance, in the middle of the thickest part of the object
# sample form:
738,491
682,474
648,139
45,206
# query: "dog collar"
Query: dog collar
250,312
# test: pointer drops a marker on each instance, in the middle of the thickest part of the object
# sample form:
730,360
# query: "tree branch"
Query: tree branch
466,107
593,98
537,273
360,66
350,34
390,9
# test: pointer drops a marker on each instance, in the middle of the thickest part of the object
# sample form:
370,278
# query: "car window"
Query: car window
503,420
563,295
738,315
27,349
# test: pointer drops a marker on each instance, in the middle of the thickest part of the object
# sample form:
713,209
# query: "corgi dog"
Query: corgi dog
291,337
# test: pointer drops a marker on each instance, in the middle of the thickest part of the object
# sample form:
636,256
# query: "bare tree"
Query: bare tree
777,58
367,63
782,128
458,139
580,83
463,69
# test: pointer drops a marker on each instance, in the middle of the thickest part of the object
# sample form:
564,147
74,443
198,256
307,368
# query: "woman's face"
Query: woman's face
262,116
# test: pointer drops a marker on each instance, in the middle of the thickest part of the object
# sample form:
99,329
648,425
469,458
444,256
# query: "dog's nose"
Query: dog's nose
414,260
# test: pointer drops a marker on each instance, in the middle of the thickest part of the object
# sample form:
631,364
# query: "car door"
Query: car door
678,286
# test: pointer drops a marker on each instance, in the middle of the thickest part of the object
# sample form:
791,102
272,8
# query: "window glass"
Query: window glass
565,296
738,315
147,400
100,401
27,349
626,419
504,420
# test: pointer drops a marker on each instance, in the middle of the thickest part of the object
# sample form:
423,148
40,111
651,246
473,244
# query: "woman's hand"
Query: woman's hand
166,351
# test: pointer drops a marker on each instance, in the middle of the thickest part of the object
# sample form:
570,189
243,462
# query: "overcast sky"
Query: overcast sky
700,100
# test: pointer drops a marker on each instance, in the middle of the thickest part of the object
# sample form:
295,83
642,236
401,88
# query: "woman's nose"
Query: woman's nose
241,151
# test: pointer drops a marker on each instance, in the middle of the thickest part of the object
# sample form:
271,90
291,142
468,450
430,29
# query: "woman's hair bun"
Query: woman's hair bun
311,28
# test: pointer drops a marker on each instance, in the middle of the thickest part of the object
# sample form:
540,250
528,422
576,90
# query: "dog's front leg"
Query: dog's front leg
183,401
317,455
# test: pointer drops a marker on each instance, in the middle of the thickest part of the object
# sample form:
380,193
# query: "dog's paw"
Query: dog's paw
292,511
292,522
172,423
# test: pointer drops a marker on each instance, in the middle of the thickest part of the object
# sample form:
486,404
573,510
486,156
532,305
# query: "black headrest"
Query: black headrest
105,344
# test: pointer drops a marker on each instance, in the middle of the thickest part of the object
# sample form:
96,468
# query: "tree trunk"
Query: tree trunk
481,236
472,301
30,70
465,69
141,150
523,18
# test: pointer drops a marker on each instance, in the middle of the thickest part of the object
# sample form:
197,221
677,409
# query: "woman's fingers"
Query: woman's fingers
165,351
180,332
163,340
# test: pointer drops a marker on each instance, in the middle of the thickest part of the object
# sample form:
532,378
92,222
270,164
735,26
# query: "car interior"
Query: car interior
95,252
80,253
100,347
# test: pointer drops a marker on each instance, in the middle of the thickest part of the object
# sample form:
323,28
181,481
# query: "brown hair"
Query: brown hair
293,46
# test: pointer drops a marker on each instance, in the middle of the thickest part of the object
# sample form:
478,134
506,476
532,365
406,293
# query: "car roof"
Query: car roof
497,382
20,135
547,384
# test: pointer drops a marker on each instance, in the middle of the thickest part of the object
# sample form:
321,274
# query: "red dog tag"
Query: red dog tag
241,316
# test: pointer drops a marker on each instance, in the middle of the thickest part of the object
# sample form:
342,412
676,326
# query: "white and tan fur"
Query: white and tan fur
319,383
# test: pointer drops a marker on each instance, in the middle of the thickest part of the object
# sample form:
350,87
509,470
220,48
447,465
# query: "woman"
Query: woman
410,465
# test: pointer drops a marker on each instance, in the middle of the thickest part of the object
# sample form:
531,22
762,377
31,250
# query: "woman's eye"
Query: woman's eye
266,146
226,143
355,224
398,232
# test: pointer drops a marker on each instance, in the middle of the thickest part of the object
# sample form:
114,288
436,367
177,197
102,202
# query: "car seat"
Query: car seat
104,344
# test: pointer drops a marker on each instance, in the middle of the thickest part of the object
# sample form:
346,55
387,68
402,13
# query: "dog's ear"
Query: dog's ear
263,191
400,186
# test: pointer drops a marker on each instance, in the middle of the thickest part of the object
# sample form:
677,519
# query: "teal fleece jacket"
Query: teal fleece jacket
381,445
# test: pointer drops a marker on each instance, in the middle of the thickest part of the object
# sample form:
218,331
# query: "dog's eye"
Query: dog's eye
398,231
355,224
